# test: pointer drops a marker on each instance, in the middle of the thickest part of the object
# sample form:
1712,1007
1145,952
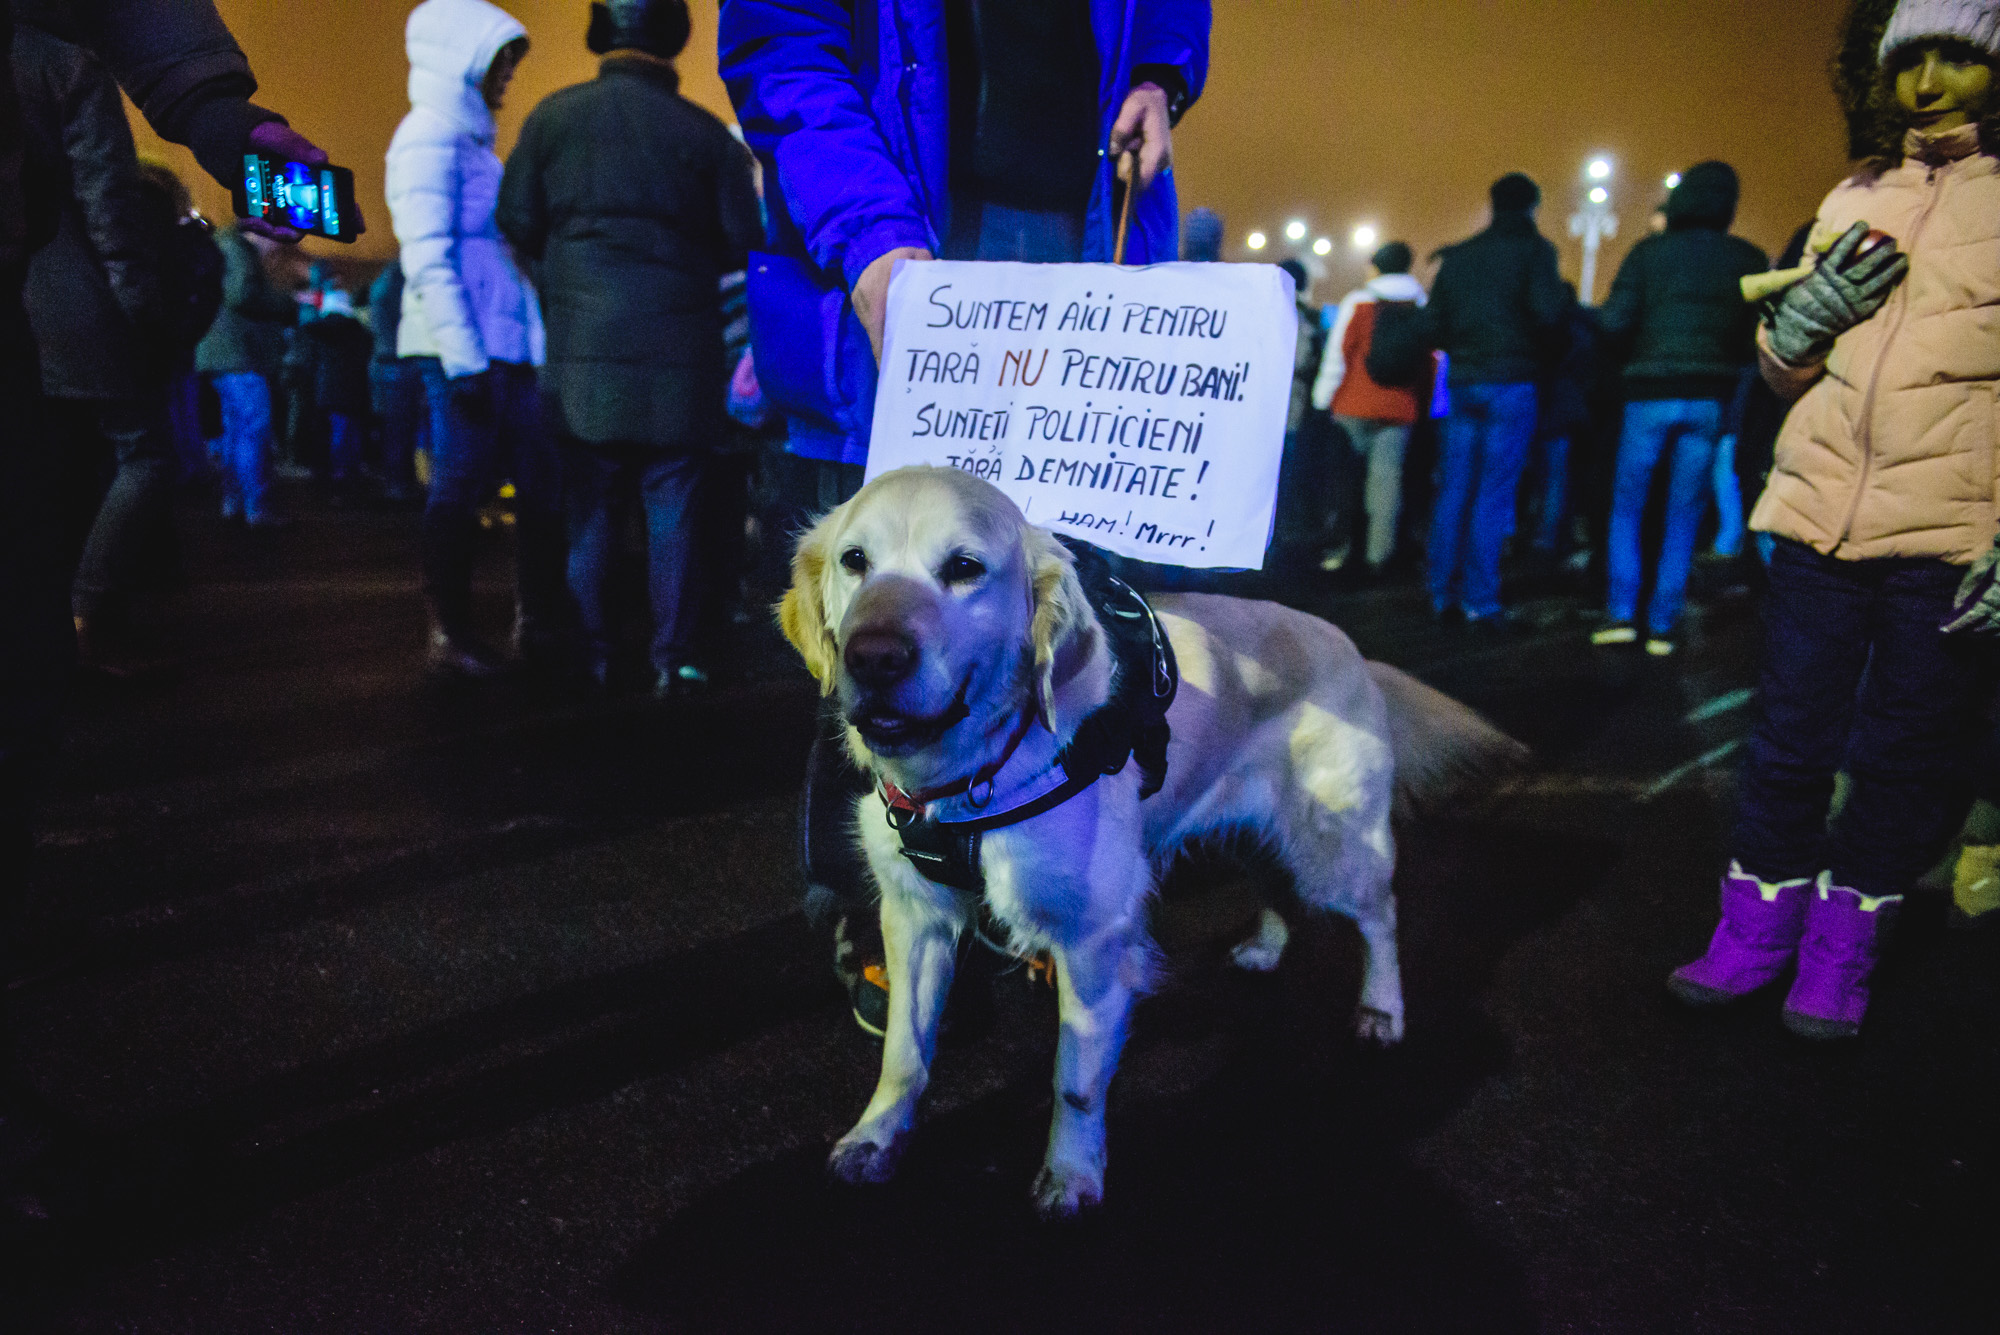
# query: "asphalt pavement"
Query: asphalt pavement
378,1007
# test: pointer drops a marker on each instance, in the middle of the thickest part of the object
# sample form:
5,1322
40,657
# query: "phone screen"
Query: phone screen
316,200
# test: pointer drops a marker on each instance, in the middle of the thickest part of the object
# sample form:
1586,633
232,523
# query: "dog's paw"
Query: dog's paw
1065,1193
1262,952
1378,1028
859,1160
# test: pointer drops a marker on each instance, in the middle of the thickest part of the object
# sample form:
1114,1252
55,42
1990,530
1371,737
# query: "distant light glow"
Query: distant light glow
1256,240
1673,180
1295,230
1599,169
1599,195
1365,237
1323,246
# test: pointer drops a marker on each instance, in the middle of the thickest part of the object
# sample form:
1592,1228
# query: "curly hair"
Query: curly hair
1876,122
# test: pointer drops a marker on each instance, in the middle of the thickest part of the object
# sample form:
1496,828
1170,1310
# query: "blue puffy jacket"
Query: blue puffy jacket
849,101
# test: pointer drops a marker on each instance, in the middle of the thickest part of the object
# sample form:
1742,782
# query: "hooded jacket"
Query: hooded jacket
1890,450
848,103
465,301
1344,384
248,336
632,203
1677,305
1498,307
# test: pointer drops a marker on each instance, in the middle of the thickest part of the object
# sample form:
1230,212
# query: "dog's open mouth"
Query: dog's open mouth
889,731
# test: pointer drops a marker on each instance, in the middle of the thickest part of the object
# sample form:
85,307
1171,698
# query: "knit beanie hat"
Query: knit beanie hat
1706,196
657,27
1974,21
1516,192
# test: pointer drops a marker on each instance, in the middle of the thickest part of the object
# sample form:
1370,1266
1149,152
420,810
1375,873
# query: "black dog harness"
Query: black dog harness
1132,725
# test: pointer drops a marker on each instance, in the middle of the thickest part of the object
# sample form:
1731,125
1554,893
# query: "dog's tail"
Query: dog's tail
1442,748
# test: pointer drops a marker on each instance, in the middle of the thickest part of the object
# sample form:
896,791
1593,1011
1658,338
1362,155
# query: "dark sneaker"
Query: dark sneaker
869,995
1661,646
687,679
451,656
1615,632
861,972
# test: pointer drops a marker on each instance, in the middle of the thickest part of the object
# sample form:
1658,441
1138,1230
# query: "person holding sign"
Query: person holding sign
912,129
971,129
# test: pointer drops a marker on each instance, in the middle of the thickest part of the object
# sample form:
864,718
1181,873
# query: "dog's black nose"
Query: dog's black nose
880,658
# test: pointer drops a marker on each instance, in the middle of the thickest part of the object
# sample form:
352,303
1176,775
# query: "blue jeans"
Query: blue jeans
1728,500
1485,444
346,439
668,485
1856,676
470,455
397,389
1683,430
246,443
1552,480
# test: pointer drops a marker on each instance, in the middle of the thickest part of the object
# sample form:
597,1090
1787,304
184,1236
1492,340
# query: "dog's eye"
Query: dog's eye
854,560
961,569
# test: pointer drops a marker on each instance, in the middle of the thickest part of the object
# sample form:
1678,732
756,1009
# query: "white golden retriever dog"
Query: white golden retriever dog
947,624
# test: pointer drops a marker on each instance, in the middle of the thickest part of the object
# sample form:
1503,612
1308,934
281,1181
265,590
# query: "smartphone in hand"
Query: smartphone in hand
318,201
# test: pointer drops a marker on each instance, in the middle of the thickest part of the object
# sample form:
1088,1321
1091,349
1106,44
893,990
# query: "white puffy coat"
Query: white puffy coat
465,301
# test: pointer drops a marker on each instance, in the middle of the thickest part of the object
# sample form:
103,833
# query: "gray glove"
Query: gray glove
1849,285
1976,608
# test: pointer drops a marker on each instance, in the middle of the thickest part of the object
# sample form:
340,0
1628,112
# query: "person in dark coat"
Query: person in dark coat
396,388
631,203
338,350
1677,310
1562,425
1497,310
241,355
94,301
191,81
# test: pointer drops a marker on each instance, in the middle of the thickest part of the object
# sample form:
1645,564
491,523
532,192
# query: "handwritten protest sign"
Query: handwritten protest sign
1141,409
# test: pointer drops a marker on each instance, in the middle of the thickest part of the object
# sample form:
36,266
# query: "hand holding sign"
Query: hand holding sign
1139,409
871,293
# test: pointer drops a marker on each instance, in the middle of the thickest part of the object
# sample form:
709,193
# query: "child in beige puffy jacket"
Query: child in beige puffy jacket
1881,498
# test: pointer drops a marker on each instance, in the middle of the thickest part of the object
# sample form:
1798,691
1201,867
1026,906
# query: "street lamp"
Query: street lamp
1365,237
1593,222
1295,230
1673,181
1256,240
1323,246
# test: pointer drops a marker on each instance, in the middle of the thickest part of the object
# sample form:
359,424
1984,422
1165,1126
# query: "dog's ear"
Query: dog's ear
802,611
1064,630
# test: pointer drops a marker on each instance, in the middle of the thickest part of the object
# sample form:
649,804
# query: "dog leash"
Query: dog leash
1131,159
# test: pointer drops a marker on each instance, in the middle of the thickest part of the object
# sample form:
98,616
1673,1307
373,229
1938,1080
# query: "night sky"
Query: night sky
1335,111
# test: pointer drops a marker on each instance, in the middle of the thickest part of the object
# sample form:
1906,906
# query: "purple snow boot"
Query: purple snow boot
1759,932
1843,932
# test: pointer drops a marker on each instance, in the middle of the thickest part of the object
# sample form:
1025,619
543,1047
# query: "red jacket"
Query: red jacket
1359,395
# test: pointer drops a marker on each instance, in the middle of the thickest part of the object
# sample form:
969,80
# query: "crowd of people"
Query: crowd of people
583,331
